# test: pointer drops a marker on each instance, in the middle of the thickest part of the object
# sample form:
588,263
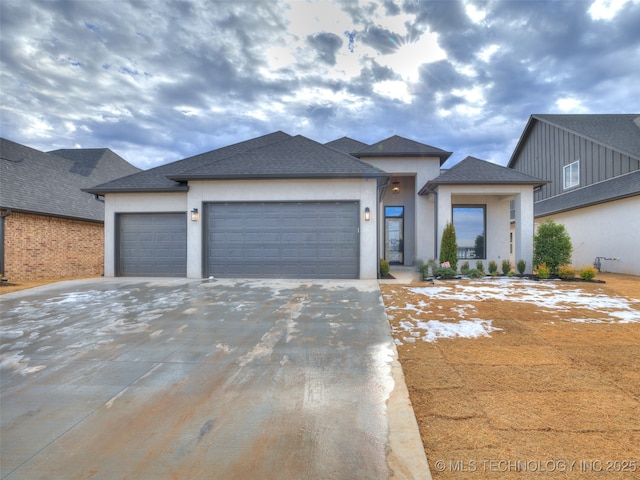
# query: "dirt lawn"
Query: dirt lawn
514,378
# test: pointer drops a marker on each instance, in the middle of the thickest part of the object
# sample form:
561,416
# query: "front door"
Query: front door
394,235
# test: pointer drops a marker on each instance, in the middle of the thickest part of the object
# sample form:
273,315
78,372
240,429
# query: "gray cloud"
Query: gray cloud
158,81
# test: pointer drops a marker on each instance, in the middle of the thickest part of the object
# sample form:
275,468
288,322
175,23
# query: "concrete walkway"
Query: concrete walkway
171,378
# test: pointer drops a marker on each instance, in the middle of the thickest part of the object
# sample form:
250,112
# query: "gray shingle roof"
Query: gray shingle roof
623,186
156,180
347,145
295,157
473,171
38,182
620,132
397,146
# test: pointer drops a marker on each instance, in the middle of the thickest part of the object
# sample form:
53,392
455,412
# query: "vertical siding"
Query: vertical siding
548,149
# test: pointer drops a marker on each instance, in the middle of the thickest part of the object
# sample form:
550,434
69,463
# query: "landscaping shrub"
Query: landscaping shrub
384,267
542,271
475,273
493,268
464,269
522,266
566,272
506,267
449,246
588,272
480,266
445,272
552,246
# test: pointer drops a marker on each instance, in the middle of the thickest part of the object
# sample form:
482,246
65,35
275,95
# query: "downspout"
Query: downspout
2,217
435,226
380,193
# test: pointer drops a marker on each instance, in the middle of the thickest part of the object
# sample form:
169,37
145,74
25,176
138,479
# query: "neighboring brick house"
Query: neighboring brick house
50,228
593,164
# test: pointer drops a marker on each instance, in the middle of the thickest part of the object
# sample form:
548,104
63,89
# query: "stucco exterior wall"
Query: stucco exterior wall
609,230
39,247
419,234
201,192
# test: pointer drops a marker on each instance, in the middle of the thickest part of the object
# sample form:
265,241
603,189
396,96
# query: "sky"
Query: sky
161,81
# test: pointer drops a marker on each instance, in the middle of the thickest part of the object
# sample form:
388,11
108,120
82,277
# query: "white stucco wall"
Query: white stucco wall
497,199
200,192
419,213
609,230
134,203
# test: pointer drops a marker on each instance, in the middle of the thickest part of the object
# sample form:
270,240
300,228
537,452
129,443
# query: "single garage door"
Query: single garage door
152,245
283,240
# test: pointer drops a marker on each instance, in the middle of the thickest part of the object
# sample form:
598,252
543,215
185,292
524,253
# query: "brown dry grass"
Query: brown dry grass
531,398
7,287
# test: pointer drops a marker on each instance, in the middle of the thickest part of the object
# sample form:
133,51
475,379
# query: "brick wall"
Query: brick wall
40,247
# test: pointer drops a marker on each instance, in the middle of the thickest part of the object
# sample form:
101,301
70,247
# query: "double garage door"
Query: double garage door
263,240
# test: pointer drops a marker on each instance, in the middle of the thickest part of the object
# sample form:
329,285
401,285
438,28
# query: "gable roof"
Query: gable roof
474,171
156,179
616,188
397,146
347,145
295,157
38,182
619,132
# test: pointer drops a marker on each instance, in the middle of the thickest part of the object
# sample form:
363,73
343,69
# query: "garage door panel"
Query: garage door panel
152,244
283,240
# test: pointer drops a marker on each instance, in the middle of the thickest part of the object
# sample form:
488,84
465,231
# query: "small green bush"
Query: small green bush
475,273
493,267
480,266
511,273
588,273
384,267
522,266
506,267
542,271
552,245
566,272
464,269
445,272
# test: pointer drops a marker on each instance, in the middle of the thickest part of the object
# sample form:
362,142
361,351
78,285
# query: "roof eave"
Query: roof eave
271,176
103,191
432,186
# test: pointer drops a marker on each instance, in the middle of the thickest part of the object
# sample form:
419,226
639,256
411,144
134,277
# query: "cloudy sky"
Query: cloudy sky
163,80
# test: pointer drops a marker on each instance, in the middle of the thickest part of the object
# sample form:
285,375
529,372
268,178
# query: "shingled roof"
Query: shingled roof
295,157
397,146
347,145
276,155
474,171
50,184
619,132
616,188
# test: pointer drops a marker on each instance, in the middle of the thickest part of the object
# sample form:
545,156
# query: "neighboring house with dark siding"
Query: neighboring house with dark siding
50,228
593,164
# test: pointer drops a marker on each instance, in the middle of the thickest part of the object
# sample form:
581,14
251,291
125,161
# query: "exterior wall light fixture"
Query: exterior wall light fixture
367,214
195,215
395,187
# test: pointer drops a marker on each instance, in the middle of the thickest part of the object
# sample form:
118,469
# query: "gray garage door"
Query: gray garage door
152,244
283,240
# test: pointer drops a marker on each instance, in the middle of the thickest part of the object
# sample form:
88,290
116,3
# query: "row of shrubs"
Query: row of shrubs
566,272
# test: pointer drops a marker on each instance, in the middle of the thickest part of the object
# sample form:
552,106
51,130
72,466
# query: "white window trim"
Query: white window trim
570,184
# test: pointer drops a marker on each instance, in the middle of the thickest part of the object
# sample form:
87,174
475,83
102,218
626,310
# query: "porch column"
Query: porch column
443,214
524,227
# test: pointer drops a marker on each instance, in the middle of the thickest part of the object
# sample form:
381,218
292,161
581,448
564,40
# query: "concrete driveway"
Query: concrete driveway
157,378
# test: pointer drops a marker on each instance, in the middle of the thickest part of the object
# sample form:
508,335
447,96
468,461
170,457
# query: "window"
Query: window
571,175
470,222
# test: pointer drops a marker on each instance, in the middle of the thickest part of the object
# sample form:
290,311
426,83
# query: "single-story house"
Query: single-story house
49,227
593,164
289,207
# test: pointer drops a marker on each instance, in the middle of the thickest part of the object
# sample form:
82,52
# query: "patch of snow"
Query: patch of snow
432,330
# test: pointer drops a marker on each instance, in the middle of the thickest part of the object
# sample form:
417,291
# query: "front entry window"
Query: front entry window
394,234
470,224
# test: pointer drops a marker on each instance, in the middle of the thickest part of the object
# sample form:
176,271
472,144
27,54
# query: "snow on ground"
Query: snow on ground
542,294
549,296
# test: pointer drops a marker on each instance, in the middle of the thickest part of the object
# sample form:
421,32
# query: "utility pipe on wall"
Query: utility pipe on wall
2,217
